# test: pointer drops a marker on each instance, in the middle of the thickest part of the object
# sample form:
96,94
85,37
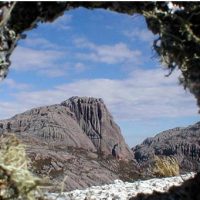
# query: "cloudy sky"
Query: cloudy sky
100,54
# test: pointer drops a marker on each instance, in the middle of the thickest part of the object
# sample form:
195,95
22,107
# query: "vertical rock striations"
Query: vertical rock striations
97,123
88,113
68,139
77,122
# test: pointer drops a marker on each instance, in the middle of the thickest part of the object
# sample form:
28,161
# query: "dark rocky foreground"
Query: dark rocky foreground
189,190
73,141
182,143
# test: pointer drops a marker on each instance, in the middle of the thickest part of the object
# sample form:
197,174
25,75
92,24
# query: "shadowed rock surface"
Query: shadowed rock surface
77,122
97,123
182,143
73,139
189,190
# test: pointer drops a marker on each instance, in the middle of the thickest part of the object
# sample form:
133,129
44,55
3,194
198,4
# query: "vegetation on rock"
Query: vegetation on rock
16,181
177,45
165,167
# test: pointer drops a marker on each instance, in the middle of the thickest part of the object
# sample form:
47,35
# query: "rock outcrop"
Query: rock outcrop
182,143
73,139
97,123
77,122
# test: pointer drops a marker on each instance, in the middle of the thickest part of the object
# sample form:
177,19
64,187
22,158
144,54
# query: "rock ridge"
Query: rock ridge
97,123
181,143
82,122
73,139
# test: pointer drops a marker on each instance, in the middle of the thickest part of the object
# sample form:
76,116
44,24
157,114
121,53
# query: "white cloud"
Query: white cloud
84,43
54,72
146,94
140,34
62,23
45,62
8,109
109,54
34,59
80,67
40,43
15,85
44,57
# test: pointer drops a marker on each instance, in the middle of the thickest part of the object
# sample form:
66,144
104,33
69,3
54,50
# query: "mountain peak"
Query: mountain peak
83,100
80,122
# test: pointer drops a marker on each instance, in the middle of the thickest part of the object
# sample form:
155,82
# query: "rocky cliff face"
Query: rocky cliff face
51,124
77,122
97,123
73,139
182,143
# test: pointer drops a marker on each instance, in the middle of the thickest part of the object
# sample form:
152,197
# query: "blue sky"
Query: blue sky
102,54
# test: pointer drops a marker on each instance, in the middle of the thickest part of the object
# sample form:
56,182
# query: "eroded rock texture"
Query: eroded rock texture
77,122
52,124
73,139
97,123
182,143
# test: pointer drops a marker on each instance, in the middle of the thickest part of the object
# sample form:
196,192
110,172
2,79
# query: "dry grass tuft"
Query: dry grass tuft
165,167
16,181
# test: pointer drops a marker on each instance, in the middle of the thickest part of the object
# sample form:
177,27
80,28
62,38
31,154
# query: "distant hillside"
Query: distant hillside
182,143
74,139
